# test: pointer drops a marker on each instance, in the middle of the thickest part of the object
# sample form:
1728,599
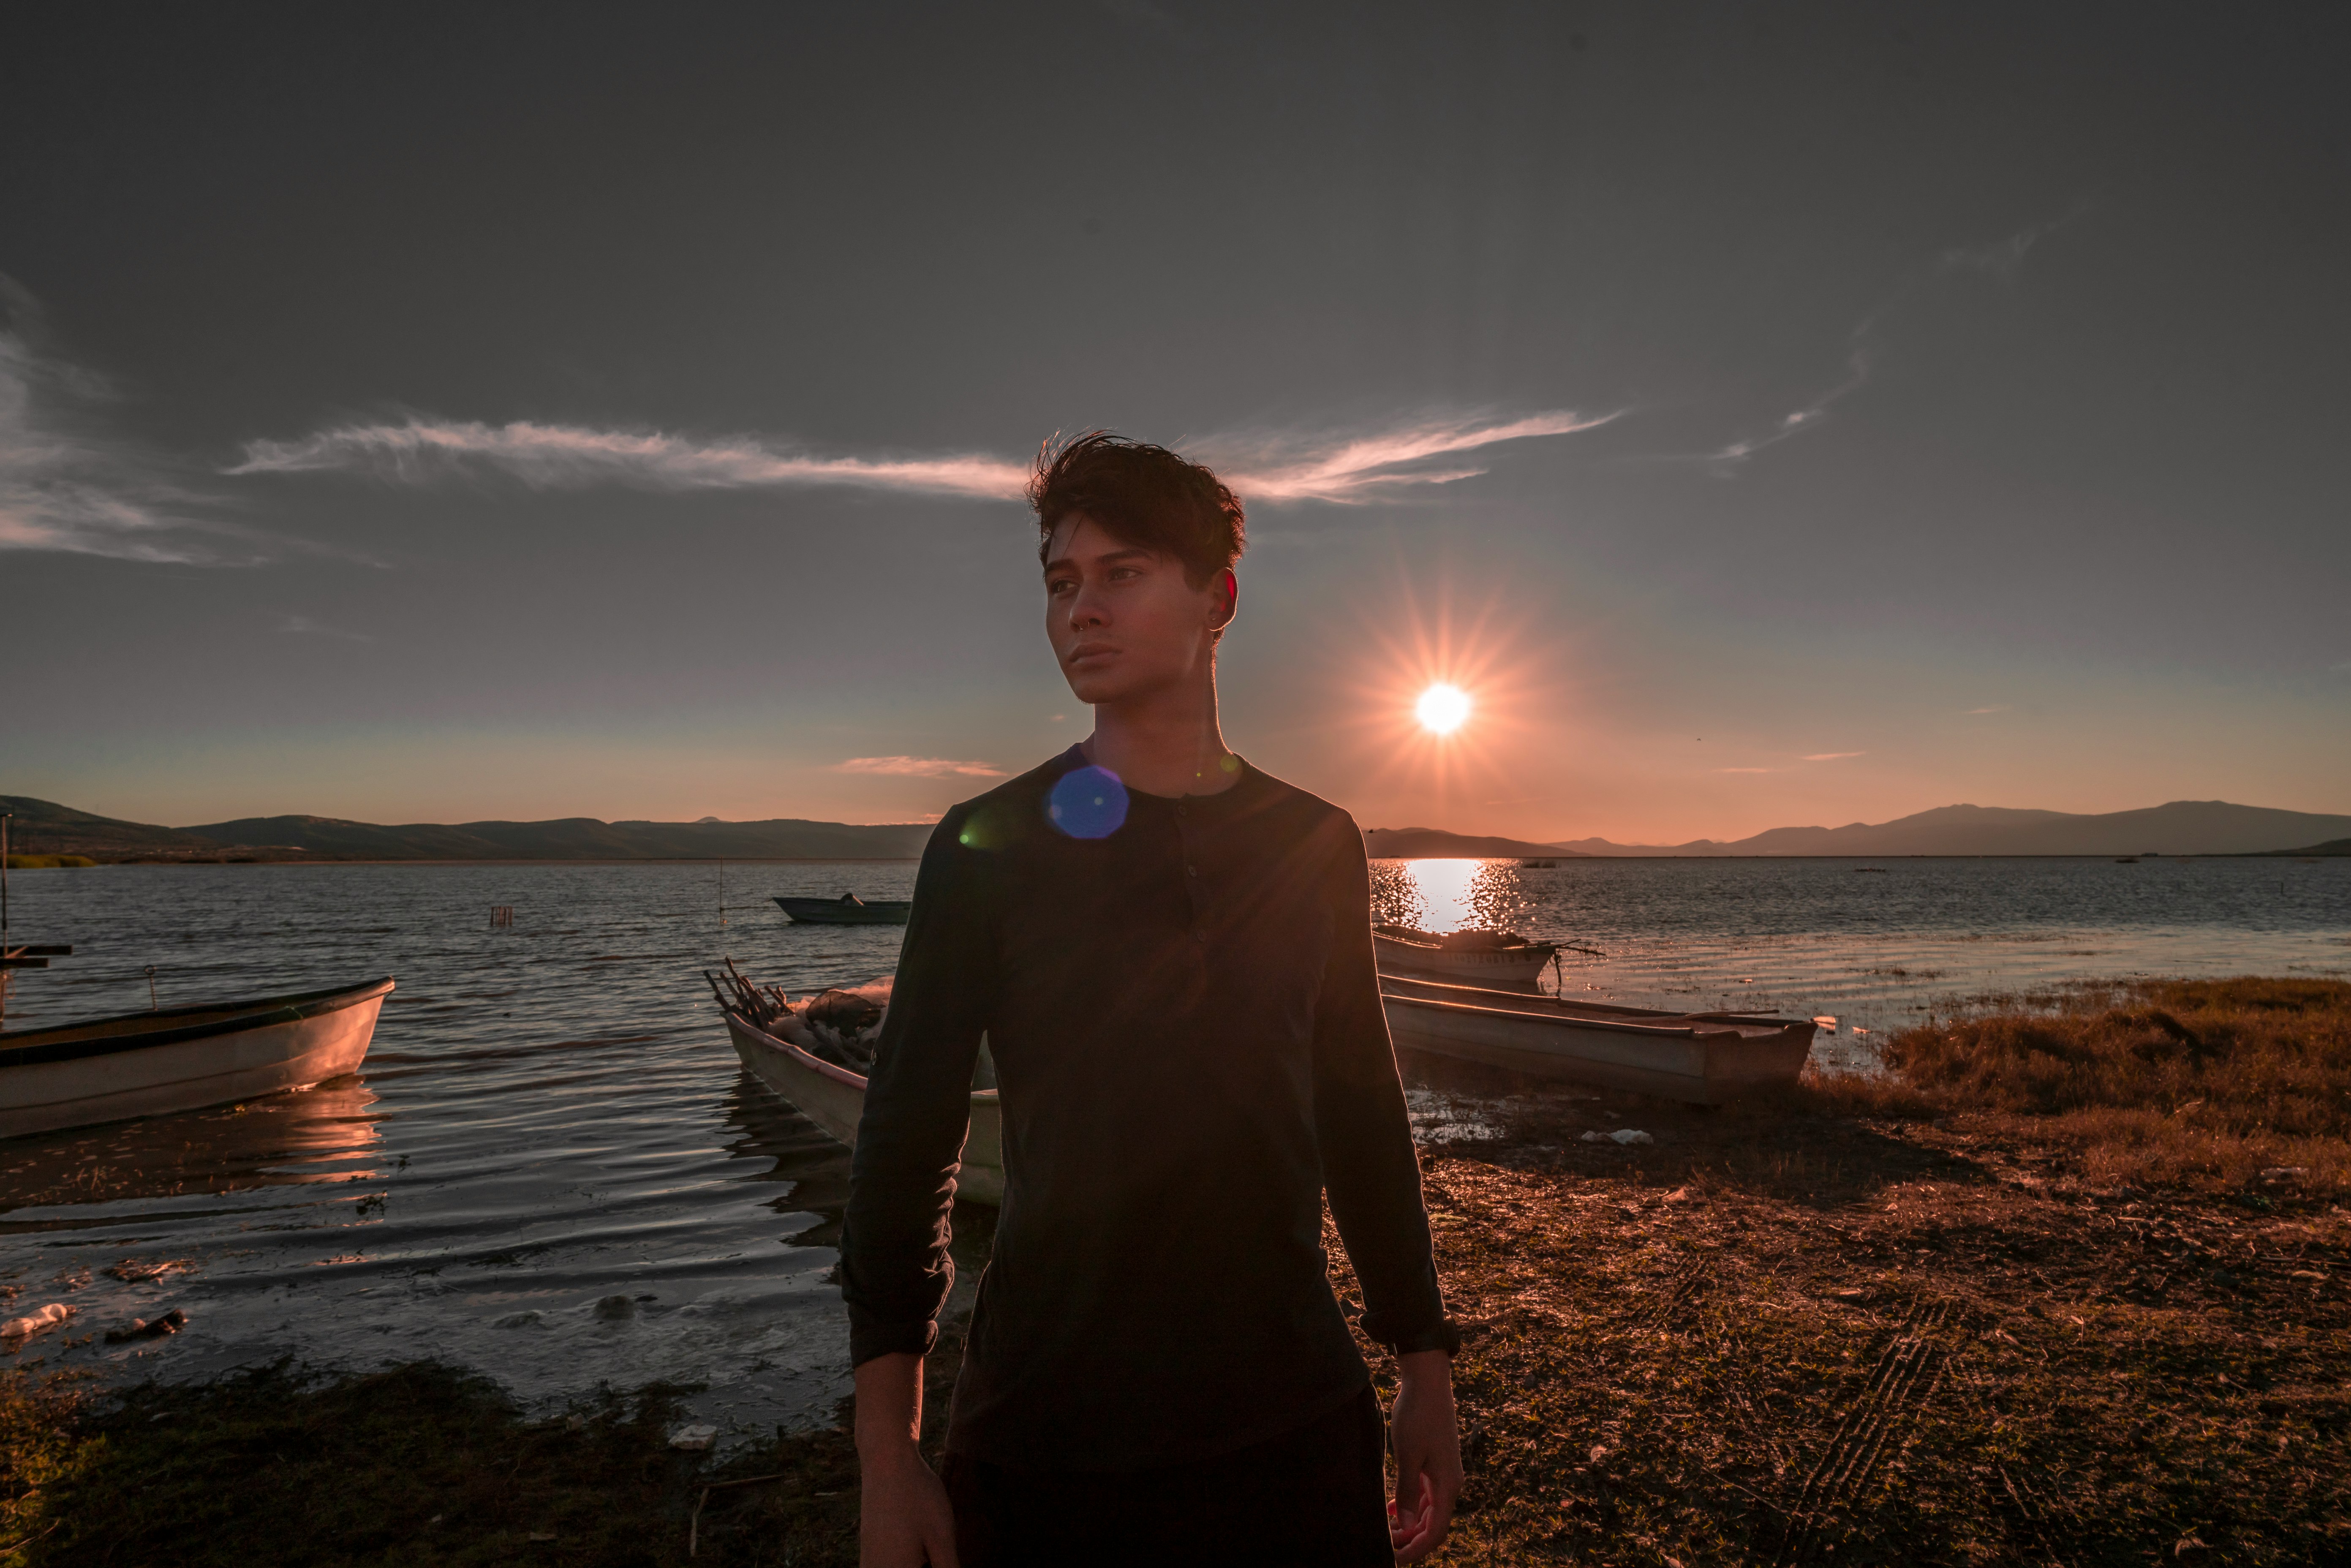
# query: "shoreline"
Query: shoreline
1856,1325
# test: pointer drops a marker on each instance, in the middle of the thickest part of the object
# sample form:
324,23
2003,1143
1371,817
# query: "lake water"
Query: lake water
553,1169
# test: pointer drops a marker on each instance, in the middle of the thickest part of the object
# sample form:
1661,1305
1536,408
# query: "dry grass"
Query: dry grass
2240,1084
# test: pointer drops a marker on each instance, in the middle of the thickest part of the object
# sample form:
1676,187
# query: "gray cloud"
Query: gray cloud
2001,258
64,488
1273,467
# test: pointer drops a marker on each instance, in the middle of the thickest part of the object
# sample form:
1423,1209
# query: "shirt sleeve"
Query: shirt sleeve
895,1268
1370,1170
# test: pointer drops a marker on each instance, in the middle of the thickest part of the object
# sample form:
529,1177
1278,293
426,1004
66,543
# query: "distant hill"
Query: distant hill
1435,844
573,839
2181,827
43,827
46,828
2333,847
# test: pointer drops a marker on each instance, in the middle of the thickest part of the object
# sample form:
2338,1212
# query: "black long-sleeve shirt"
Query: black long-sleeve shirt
1180,999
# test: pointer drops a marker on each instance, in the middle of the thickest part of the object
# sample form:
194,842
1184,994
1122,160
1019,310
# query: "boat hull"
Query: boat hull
156,1064
833,911
1519,966
834,1098
1699,1058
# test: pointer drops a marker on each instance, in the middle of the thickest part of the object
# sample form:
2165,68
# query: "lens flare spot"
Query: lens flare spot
1442,708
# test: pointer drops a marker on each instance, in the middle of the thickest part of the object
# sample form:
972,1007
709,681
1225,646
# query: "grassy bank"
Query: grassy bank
1983,1309
46,863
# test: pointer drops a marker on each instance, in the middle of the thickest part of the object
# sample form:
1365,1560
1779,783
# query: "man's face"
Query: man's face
1123,620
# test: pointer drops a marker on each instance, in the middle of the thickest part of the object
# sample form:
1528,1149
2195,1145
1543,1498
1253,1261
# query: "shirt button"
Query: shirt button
1200,936
1183,810
1191,871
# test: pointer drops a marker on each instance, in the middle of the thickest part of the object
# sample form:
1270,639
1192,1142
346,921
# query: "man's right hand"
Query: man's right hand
904,1519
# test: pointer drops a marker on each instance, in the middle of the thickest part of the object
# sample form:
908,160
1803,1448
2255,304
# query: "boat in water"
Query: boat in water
1497,959
777,1039
847,910
183,1058
1704,1059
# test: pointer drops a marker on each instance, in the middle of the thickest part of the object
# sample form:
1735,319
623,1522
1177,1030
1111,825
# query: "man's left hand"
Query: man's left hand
1427,1436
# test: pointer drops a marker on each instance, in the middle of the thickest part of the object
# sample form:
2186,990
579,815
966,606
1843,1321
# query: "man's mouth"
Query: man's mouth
1088,653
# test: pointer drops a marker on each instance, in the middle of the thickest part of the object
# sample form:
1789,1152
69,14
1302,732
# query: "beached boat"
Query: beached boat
847,910
1705,1059
1500,959
183,1058
833,1098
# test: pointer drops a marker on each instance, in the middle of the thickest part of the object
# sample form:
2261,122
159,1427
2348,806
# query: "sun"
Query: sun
1442,708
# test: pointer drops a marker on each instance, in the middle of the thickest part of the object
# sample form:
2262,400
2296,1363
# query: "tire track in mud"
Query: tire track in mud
1908,1370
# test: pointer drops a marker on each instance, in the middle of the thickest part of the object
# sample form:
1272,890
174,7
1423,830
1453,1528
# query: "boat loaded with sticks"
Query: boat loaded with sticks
847,910
1705,1059
818,1052
183,1058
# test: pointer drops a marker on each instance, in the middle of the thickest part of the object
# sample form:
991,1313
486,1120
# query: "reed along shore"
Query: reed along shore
2059,1286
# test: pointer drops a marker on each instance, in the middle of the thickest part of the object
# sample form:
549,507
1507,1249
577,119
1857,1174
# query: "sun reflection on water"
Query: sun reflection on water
1442,895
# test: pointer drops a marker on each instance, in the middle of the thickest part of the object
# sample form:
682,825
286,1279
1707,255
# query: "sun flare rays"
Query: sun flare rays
1442,700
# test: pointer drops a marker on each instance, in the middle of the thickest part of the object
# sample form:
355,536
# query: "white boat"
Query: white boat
1497,959
1705,1059
834,1098
183,1058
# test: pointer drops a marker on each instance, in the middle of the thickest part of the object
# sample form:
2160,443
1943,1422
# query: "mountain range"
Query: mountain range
2180,827
46,828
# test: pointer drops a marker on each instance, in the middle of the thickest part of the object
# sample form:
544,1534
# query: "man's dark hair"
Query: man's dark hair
1139,494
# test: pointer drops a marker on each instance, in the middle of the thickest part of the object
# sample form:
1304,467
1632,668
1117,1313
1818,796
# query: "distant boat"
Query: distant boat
1538,865
1705,1059
183,1058
1463,957
847,910
2127,859
834,1097
1878,869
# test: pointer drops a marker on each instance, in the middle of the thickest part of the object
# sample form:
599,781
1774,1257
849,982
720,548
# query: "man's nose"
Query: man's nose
1086,613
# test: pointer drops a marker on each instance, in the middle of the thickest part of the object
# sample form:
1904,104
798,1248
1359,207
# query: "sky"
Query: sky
1771,415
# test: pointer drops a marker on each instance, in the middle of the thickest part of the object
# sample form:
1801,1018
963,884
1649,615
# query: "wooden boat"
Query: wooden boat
1705,1059
183,1058
1465,957
834,1098
847,910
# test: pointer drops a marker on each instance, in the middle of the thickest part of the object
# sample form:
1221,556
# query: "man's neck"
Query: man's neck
1167,745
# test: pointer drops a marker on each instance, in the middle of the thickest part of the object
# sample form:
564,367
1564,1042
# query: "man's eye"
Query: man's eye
1120,571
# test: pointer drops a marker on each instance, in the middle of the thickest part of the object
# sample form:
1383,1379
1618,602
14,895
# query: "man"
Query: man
1169,956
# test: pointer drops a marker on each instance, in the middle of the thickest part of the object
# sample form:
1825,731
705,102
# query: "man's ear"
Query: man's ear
1228,596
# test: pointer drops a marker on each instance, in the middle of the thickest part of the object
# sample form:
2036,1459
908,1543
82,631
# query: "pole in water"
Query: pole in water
6,818
151,1003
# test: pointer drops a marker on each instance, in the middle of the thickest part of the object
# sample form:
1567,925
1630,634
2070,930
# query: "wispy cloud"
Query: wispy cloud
1262,466
918,768
1354,468
1995,707
2001,258
65,482
1834,756
1747,770
563,457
